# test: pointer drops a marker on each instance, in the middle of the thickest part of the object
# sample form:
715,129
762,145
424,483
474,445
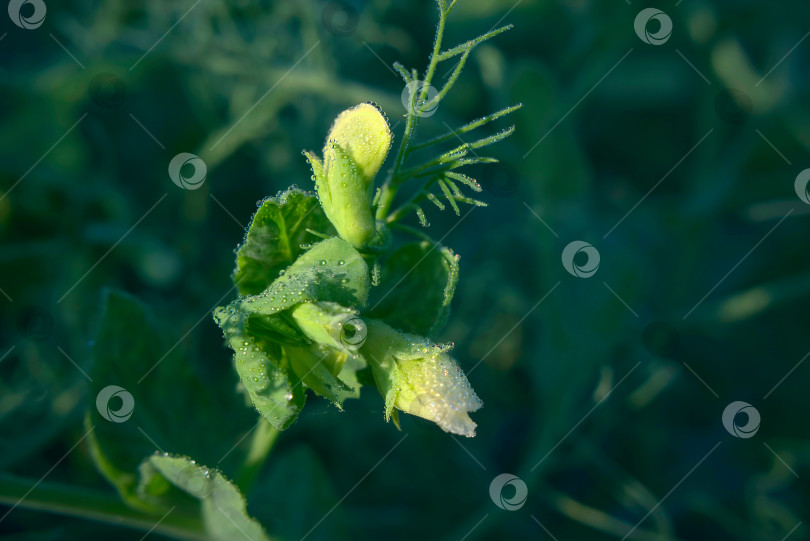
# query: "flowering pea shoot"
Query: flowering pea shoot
336,292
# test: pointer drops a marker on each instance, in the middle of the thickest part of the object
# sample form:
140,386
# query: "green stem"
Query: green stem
94,505
403,209
389,189
386,199
434,58
415,232
264,437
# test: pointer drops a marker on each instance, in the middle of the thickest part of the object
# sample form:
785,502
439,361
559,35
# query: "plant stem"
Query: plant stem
386,199
416,233
264,437
94,505
390,187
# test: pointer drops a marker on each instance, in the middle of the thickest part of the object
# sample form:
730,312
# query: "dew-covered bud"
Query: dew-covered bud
419,377
331,325
355,149
363,133
328,365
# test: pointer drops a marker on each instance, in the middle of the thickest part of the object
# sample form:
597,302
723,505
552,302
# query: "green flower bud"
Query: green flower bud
317,367
331,325
329,365
419,377
354,152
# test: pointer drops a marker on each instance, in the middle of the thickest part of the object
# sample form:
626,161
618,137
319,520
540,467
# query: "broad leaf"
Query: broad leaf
222,506
274,238
272,388
418,282
268,350
330,271
295,495
143,399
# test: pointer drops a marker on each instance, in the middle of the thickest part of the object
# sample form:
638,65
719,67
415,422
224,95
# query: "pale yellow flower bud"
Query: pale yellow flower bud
355,150
420,378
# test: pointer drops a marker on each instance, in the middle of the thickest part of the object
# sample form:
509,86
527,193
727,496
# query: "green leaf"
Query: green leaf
418,283
452,134
276,328
256,327
274,392
330,271
131,359
295,495
273,240
467,46
222,506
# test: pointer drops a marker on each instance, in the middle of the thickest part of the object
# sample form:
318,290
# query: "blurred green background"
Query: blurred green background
700,299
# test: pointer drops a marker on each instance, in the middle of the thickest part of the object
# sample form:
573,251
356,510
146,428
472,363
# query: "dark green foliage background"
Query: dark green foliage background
543,370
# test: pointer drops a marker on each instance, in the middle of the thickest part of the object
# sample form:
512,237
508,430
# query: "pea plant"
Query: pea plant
335,291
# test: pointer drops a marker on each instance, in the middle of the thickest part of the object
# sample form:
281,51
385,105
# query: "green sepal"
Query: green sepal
346,199
317,175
